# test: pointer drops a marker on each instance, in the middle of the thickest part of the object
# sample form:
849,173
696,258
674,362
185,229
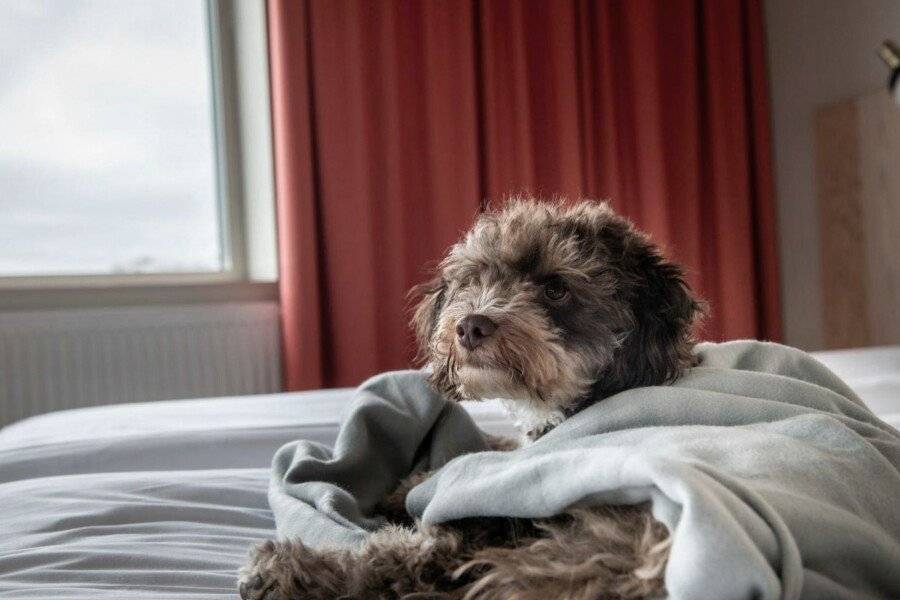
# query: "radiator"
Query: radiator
58,359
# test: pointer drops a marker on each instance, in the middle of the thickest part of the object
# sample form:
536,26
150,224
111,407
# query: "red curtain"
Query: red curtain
395,121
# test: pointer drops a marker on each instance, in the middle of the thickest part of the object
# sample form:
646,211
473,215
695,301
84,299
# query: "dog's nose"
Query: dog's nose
472,330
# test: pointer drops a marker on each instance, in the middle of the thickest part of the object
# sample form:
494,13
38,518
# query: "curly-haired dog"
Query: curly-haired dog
550,308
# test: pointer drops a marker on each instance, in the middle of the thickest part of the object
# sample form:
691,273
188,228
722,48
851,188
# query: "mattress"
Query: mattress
163,500
873,373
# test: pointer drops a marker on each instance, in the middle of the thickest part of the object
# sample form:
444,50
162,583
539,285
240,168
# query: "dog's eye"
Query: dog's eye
555,290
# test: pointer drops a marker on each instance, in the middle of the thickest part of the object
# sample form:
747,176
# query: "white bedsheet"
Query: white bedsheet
155,500
873,373
163,500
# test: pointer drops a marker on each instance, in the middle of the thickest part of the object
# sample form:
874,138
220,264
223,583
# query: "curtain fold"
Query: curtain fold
396,121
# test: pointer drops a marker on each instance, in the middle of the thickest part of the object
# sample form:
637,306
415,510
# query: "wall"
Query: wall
820,51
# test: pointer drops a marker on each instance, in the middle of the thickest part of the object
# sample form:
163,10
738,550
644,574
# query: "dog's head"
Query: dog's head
554,306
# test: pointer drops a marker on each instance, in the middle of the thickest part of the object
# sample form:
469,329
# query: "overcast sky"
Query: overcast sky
105,137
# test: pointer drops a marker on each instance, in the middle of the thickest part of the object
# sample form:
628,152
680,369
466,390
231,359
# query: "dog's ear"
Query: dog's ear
660,346
429,300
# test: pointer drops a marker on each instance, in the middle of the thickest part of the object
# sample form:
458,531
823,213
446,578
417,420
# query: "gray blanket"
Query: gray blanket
775,480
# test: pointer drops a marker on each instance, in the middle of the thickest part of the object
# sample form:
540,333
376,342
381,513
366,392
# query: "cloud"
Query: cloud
73,223
106,157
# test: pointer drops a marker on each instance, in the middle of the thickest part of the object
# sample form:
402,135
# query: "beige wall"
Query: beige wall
820,51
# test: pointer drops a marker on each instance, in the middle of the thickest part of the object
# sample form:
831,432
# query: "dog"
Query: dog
551,308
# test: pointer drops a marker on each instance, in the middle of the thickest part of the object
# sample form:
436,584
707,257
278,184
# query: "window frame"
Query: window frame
237,41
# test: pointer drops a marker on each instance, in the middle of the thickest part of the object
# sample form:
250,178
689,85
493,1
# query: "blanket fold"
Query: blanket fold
774,478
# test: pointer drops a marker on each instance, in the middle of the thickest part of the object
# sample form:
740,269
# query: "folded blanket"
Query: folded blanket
774,478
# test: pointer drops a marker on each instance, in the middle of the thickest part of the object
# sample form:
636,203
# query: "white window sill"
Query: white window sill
134,291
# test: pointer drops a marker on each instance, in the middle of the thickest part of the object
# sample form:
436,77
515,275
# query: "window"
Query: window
117,155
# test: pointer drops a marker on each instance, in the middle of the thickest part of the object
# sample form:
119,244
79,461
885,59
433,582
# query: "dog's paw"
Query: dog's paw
259,578
255,587
289,570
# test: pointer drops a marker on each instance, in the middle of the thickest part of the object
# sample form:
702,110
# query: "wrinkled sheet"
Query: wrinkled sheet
143,501
149,501
774,478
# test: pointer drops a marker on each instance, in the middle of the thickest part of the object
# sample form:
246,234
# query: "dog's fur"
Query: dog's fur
584,306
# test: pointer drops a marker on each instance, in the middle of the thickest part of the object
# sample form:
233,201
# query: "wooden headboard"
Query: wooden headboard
858,179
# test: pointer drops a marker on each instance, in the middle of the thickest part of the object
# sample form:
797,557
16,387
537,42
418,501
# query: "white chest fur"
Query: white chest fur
530,415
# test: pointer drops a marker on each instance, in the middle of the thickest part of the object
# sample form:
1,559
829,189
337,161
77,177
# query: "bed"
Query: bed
162,500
